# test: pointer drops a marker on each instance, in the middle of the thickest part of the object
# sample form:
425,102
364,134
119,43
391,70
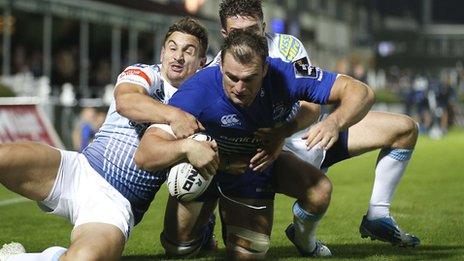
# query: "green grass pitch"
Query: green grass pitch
429,203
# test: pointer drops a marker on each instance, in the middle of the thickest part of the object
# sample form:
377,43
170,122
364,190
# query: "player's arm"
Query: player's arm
354,100
273,138
133,102
159,149
310,83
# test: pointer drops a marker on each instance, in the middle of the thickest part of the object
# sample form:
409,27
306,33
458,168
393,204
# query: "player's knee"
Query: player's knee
407,133
412,128
246,244
180,249
319,196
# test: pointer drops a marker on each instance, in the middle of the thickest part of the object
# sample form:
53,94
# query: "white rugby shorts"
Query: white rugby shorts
315,156
81,195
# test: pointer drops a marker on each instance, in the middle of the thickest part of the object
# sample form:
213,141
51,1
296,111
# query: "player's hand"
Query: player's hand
184,124
203,155
324,134
273,141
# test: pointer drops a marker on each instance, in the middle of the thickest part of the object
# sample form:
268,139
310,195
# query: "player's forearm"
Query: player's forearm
142,108
156,153
307,115
355,100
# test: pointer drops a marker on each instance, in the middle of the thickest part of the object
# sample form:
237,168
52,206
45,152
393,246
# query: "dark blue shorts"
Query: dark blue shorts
251,184
338,152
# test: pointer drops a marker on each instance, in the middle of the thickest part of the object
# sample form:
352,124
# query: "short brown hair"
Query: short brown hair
193,27
244,45
229,8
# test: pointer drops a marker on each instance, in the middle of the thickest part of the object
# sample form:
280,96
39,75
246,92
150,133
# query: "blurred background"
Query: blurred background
65,55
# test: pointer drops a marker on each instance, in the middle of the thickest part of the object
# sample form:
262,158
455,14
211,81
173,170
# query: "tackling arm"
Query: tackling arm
133,102
158,150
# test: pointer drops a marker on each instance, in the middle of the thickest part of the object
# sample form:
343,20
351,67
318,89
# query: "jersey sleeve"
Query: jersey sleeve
306,82
140,74
287,47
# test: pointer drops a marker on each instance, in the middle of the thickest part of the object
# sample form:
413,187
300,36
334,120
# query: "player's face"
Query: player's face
180,58
248,23
242,82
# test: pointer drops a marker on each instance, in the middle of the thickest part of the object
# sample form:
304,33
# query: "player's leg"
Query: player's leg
246,230
188,227
90,241
312,189
396,136
95,241
102,216
29,168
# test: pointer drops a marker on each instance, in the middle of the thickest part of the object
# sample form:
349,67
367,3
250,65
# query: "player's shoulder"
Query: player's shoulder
143,67
207,74
285,46
206,81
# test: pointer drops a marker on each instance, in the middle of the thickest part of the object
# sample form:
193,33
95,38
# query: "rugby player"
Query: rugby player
101,190
247,92
394,134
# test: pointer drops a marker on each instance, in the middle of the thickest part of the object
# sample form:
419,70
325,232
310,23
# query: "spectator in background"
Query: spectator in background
89,121
446,98
420,100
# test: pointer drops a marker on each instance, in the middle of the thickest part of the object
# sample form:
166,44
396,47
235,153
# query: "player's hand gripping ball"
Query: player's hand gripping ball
184,181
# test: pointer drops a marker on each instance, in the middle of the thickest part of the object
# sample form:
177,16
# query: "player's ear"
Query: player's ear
162,54
265,69
264,28
202,62
224,32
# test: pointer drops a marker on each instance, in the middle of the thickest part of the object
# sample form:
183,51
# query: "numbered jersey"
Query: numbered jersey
112,151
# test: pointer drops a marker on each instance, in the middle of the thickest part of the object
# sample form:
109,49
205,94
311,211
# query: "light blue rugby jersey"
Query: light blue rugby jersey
232,126
112,151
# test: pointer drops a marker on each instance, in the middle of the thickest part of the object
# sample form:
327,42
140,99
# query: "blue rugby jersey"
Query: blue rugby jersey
232,126
112,151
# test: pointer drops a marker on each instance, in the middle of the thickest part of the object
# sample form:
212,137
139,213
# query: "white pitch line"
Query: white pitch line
12,201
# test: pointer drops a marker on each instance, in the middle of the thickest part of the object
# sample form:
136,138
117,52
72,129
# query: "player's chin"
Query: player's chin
177,73
240,101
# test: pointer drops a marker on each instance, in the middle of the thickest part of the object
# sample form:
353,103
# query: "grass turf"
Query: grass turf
428,203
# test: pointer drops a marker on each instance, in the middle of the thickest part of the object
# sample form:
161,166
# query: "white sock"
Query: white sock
305,225
50,254
388,172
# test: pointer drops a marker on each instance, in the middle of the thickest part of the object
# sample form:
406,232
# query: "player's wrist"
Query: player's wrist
172,114
186,147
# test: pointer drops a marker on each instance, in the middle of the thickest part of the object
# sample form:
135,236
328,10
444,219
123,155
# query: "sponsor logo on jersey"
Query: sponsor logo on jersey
230,120
303,69
289,47
280,112
137,72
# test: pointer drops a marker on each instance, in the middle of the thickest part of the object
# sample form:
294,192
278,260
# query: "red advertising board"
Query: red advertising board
26,121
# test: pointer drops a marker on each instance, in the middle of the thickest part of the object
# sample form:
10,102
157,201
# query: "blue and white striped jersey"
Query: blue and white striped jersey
232,126
112,151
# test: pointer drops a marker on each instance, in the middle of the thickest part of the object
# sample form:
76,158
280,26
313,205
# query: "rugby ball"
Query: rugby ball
184,181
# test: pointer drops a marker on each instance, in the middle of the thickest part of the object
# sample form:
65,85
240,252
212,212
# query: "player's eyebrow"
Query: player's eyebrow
235,78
